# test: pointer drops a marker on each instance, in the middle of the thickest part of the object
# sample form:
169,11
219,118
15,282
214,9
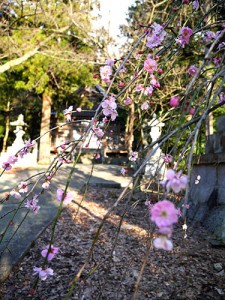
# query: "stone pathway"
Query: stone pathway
28,227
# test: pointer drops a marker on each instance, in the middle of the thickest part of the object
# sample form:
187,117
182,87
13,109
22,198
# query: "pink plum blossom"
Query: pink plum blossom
145,105
156,36
195,4
209,35
114,115
133,156
186,33
148,90
99,132
78,109
123,70
68,113
164,214
168,158
6,166
96,155
128,101
68,197
163,243
66,143
139,87
154,81
105,73
174,101
32,204
109,62
192,111
174,181
50,252
123,171
46,184
28,145
121,84
12,159
109,107
15,194
150,65
192,70
23,187
43,273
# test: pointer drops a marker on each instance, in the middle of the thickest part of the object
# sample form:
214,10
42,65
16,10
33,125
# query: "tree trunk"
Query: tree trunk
45,143
4,147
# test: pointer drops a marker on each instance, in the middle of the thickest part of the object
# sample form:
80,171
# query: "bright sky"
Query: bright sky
115,12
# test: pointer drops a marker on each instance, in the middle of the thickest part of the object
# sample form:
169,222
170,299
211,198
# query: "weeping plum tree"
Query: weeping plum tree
175,69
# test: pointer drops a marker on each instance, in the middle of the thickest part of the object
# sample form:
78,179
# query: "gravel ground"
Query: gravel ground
123,266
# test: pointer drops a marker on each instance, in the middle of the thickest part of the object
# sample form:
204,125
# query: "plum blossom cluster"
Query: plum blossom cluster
150,65
28,146
7,165
12,159
164,214
32,205
184,39
109,108
21,188
174,181
106,71
155,36
49,252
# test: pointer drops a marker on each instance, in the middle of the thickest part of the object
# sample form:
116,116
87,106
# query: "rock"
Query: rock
218,267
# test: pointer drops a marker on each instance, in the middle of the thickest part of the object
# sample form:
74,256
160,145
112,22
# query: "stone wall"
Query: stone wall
207,195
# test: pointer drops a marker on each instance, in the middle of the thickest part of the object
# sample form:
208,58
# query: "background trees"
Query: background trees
46,52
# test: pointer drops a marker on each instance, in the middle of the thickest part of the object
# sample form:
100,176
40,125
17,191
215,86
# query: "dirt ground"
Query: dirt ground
124,264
